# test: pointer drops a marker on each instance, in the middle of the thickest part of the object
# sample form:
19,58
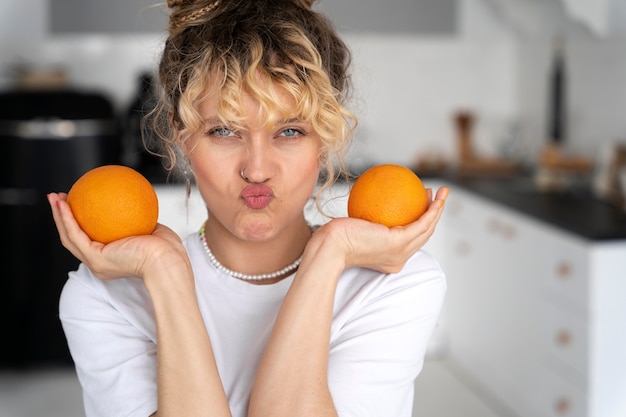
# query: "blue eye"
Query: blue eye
291,132
221,131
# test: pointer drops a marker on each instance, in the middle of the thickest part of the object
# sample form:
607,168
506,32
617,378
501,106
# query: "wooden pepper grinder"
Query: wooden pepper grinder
471,163
464,121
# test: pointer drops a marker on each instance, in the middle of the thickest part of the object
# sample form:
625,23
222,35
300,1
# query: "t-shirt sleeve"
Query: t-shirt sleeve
380,338
111,345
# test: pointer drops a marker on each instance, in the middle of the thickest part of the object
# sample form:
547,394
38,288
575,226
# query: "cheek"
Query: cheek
312,163
309,166
309,173
315,157
209,173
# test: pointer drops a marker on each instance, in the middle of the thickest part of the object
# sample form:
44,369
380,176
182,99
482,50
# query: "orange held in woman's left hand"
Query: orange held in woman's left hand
388,194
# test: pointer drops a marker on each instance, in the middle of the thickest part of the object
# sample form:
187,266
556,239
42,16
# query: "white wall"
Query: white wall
411,87
596,73
23,20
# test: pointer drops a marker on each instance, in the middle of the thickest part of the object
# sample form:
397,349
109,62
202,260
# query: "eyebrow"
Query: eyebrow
290,120
216,120
212,120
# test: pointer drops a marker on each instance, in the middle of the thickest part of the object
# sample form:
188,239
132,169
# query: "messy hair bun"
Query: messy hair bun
186,13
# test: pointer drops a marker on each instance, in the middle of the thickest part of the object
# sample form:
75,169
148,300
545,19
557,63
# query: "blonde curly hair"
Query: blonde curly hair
247,43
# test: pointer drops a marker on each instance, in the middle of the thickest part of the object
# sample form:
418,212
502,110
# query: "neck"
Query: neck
257,257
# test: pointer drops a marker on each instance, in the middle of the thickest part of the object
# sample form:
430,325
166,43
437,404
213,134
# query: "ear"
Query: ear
185,142
182,143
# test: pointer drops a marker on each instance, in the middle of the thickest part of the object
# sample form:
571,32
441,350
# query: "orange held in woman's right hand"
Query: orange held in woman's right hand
388,194
112,202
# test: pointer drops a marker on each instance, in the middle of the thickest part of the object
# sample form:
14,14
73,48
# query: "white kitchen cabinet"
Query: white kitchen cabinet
535,316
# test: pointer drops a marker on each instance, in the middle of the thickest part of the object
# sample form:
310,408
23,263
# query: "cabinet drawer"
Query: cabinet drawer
562,265
568,275
565,339
464,212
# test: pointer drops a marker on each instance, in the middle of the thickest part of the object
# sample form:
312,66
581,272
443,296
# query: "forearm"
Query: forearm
187,375
292,377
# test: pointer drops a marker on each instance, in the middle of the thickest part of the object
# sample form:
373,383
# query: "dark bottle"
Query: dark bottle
557,106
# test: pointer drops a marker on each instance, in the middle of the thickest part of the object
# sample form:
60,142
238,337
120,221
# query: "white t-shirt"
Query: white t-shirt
380,331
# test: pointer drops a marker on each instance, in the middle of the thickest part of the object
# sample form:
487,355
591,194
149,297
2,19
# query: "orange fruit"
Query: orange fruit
389,194
111,202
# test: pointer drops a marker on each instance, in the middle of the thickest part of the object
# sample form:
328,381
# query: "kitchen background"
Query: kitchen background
417,65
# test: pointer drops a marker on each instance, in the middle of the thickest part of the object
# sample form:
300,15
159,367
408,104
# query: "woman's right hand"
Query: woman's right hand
134,256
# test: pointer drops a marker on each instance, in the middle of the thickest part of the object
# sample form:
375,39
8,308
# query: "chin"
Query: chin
257,229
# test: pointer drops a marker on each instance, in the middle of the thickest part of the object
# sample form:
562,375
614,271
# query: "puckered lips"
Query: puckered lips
257,196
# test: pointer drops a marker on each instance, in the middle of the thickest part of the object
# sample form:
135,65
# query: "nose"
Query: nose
258,166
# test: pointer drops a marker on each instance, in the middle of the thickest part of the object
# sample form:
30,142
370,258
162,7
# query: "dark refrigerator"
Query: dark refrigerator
48,139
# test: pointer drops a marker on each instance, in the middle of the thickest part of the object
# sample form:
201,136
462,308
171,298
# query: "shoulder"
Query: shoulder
85,296
79,291
416,291
381,327
83,283
421,271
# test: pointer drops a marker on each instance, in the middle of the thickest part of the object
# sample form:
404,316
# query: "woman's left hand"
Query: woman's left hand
375,246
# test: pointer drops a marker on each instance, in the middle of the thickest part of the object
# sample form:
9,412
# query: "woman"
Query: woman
259,314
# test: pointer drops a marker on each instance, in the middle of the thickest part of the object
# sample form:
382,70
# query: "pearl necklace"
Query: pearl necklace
240,275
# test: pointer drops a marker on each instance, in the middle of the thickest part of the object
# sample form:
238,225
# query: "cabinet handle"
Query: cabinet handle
563,338
564,270
508,232
505,231
562,406
493,225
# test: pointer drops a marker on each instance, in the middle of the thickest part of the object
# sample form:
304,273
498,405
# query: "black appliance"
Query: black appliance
140,149
49,139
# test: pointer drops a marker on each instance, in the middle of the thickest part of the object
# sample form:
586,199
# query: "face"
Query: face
281,162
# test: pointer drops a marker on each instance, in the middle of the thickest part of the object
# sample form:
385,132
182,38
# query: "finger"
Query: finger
53,200
435,210
74,238
74,232
442,193
56,200
425,226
